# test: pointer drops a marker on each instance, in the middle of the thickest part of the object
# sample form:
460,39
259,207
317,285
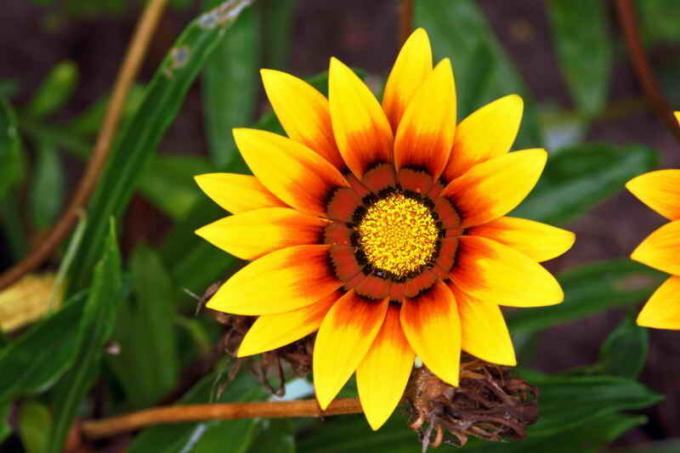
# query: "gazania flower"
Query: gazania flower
660,190
383,228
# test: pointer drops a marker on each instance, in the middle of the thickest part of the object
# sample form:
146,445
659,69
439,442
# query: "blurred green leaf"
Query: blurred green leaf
277,23
230,83
35,422
459,30
213,435
11,158
94,330
47,188
54,91
660,20
590,289
5,429
139,140
33,362
8,88
169,183
147,365
624,353
275,436
88,123
580,177
584,49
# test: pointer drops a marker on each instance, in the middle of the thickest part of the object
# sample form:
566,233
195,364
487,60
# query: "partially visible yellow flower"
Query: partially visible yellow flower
28,300
660,190
384,228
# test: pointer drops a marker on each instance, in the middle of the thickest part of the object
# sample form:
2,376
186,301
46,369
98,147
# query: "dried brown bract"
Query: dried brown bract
488,404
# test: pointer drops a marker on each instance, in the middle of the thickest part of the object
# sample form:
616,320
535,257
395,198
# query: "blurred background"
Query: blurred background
59,60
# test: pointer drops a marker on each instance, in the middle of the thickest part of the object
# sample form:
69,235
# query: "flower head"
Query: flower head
383,228
660,190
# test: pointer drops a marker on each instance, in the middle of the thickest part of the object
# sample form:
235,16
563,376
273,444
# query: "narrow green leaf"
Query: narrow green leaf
147,365
11,159
47,188
35,422
164,96
96,327
225,436
33,362
579,177
624,353
590,289
458,30
230,83
584,49
54,91
169,184
277,23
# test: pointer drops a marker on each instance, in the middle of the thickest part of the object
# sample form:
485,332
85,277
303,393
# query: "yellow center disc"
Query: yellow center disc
398,234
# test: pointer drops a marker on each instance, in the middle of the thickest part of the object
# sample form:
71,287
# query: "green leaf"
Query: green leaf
212,435
95,329
584,49
55,90
33,362
458,30
659,20
230,83
277,23
275,435
11,159
590,289
35,422
47,189
624,353
579,177
5,429
147,365
169,184
138,142
570,401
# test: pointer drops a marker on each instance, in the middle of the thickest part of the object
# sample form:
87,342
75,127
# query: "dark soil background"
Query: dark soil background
33,39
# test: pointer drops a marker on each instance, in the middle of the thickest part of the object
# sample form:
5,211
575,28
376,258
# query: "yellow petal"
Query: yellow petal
662,311
255,233
660,190
493,188
303,112
345,336
536,240
361,129
660,249
383,374
282,281
237,193
413,65
277,330
432,326
290,170
493,273
677,116
484,333
425,133
487,133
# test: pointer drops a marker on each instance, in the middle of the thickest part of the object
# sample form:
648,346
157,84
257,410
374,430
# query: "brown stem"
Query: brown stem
405,20
643,70
97,429
128,72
